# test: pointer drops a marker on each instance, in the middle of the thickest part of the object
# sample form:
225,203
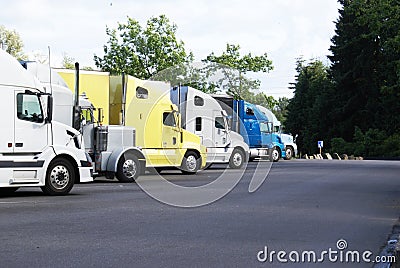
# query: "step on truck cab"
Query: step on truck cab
111,147
157,120
201,114
288,141
35,150
253,125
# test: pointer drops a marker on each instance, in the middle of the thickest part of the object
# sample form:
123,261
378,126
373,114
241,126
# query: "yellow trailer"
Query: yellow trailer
146,106
94,84
149,109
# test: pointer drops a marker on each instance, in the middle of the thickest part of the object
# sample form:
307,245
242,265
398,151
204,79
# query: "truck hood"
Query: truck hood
235,136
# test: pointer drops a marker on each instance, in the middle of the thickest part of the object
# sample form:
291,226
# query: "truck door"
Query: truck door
7,122
30,134
171,135
220,134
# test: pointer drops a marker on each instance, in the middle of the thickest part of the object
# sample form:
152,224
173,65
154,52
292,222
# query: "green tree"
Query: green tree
308,111
68,62
142,52
281,110
12,42
365,67
232,68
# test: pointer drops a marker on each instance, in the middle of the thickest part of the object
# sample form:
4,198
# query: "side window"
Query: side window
198,123
264,127
219,122
249,111
169,119
142,93
29,108
198,101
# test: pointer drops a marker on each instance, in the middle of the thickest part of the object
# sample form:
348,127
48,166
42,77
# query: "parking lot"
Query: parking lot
302,205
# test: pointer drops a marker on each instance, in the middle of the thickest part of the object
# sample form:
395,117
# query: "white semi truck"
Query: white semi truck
111,147
35,150
203,116
287,139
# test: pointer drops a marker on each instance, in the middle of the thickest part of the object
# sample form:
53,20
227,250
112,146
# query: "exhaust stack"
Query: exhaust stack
76,110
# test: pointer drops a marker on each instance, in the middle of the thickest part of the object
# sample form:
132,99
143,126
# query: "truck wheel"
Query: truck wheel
60,177
128,168
274,155
190,163
289,153
237,159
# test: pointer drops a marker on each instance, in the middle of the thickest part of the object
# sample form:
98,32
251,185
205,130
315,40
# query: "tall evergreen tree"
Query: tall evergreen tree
365,67
308,111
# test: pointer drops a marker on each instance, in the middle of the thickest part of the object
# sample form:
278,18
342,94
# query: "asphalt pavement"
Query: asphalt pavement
302,206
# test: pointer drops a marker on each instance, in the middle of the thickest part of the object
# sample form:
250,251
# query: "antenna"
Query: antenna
51,87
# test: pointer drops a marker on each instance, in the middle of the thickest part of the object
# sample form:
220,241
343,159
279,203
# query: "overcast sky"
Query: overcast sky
284,29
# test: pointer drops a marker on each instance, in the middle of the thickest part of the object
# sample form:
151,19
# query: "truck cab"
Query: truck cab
36,150
111,147
144,105
255,128
202,115
158,125
287,139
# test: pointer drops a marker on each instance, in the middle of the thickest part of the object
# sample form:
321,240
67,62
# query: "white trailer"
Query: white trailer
111,147
287,139
34,149
203,116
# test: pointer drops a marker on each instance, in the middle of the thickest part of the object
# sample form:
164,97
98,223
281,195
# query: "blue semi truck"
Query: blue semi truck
254,126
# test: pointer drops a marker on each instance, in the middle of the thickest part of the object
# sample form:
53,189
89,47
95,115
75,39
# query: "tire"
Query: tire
60,177
274,155
237,159
7,191
289,153
190,163
109,175
128,168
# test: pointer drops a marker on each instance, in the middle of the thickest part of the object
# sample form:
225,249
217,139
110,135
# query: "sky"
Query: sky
284,29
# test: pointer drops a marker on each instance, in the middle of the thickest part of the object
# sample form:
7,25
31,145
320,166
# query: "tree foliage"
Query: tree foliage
232,68
353,105
12,42
365,67
68,62
142,51
308,111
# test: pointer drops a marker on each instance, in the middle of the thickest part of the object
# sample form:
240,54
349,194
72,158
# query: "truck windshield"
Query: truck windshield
219,122
29,108
169,119
264,127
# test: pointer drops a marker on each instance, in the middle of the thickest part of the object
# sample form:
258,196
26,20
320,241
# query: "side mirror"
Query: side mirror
49,117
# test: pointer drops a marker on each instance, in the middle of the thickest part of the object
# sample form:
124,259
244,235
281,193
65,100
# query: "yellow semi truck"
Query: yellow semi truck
146,106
